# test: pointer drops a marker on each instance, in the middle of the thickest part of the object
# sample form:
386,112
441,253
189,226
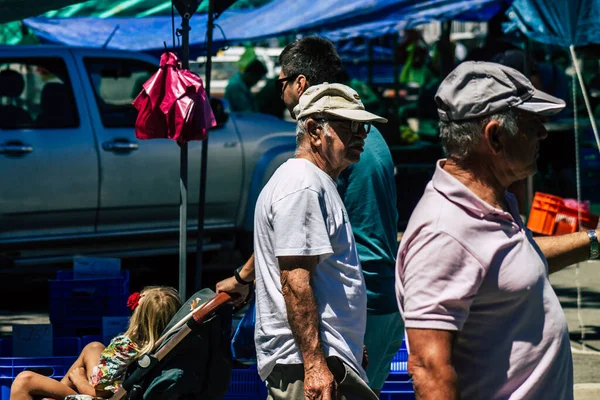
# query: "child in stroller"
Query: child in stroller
99,371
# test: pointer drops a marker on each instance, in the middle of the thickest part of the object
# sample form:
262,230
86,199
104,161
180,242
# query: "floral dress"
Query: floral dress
114,360
110,371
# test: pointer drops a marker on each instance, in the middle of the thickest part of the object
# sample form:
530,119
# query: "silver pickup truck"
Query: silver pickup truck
75,180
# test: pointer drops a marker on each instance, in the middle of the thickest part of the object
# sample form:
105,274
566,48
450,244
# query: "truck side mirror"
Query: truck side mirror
220,110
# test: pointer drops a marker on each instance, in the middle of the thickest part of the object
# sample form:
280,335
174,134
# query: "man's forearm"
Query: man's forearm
301,307
247,272
562,251
430,363
434,384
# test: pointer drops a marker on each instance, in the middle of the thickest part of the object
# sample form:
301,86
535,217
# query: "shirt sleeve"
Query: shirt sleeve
300,225
440,279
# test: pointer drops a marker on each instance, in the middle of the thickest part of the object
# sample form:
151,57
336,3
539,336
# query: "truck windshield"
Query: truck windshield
116,83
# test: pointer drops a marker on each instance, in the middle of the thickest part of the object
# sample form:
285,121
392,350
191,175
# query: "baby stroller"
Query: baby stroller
192,359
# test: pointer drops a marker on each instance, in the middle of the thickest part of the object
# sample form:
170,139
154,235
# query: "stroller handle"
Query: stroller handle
213,303
198,315
210,306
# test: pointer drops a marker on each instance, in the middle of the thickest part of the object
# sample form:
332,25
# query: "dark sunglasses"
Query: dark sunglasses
281,81
354,125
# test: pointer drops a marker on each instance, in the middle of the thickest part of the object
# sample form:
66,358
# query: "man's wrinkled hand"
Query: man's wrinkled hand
319,384
238,292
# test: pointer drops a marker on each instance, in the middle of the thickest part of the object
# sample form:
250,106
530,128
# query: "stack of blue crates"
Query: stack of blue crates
78,305
398,385
244,383
65,352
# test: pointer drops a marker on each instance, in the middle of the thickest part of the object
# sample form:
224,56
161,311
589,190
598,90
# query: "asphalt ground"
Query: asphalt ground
573,285
24,299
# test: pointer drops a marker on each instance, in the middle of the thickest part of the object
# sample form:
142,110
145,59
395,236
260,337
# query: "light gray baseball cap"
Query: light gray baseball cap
334,99
476,89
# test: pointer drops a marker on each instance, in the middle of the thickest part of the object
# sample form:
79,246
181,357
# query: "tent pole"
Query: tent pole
183,170
186,9
527,71
585,96
370,65
445,57
396,74
203,161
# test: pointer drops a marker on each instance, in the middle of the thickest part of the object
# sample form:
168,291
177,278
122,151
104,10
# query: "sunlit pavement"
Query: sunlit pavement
586,359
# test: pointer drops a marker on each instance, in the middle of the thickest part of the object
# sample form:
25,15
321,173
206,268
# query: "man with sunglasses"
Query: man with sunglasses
368,191
310,291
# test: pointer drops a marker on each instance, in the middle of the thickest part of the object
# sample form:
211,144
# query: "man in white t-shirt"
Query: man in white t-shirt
311,296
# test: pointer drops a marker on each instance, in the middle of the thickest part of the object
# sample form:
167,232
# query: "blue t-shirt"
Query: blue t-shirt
368,190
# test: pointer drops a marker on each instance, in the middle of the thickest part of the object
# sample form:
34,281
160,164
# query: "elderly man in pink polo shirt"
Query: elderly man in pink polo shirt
472,282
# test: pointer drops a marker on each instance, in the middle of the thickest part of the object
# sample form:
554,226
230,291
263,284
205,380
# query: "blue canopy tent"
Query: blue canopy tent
328,18
418,14
559,22
564,23
137,34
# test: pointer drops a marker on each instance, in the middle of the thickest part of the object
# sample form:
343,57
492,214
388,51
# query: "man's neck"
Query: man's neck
481,180
319,162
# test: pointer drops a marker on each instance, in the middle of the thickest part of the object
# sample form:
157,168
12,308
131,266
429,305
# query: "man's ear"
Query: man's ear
300,85
493,134
313,130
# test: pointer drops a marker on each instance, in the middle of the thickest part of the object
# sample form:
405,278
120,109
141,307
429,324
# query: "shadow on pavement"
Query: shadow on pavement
568,297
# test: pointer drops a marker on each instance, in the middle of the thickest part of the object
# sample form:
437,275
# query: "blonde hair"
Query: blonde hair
156,308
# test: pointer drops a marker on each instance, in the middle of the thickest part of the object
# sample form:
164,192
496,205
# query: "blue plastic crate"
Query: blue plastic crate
246,384
400,361
78,327
396,395
78,305
87,339
61,346
65,350
398,386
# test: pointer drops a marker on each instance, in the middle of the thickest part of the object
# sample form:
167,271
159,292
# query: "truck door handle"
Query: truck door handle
229,145
15,148
119,145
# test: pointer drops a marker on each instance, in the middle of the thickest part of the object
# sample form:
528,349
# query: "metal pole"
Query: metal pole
396,75
183,170
186,9
203,161
370,65
446,58
585,95
527,72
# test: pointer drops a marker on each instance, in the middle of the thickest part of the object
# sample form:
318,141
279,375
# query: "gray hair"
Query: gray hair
461,138
301,127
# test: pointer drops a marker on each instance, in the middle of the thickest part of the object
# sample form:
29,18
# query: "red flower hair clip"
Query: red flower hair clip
133,300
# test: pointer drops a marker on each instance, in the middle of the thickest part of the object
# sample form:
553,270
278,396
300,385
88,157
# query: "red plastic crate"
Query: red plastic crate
550,216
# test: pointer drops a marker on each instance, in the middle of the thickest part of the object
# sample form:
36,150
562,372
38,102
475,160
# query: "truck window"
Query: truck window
36,93
116,83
